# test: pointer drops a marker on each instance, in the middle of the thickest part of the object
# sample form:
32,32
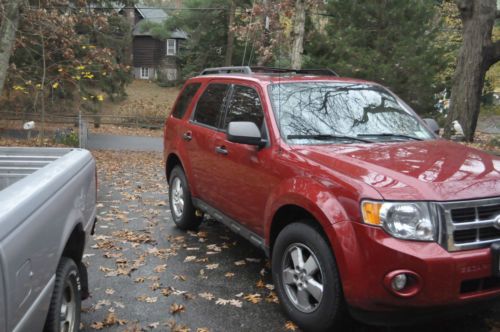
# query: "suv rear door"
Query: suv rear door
246,174
199,140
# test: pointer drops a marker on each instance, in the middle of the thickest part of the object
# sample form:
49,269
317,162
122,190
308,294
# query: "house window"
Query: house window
145,73
171,47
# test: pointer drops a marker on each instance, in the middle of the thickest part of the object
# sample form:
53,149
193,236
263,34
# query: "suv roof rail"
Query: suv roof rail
319,71
257,69
227,70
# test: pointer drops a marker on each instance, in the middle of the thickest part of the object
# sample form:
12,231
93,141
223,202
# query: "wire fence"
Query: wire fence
91,119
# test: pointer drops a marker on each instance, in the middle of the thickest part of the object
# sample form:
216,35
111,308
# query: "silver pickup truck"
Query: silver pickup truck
47,212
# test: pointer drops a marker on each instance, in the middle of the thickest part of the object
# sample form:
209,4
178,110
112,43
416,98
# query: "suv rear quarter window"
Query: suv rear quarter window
210,105
185,99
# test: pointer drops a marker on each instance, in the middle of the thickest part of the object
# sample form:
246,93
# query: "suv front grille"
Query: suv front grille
471,224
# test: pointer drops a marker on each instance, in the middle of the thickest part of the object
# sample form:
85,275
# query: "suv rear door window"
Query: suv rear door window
210,105
245,105
185,99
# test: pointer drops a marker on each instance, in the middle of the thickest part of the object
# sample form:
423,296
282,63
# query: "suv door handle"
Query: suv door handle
221,150
187,136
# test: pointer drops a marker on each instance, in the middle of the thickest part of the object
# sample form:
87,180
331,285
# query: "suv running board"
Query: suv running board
232,224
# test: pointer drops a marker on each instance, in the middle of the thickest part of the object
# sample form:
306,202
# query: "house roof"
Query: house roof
153,15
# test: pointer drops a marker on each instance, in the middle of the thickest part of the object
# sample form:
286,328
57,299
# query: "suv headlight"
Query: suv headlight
403,220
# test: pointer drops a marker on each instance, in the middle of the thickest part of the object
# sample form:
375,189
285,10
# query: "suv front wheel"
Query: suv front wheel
306,278
181,205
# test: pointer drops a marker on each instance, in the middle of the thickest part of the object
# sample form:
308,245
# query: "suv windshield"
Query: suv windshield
313,112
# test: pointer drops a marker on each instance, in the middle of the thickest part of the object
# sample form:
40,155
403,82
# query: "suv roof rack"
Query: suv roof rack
268,70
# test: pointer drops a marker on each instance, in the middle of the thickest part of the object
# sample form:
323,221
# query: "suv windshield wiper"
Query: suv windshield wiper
391,135
328,137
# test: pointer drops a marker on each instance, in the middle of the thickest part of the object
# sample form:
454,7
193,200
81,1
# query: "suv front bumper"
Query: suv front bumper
366,255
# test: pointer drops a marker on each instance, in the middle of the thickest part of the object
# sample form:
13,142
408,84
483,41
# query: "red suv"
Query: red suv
359,204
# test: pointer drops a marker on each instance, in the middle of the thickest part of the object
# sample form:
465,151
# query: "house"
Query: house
153,58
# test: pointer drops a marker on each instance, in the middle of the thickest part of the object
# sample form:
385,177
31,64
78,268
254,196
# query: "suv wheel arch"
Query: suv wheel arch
172,161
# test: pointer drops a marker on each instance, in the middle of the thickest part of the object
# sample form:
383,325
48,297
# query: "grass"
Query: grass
487,110
145,99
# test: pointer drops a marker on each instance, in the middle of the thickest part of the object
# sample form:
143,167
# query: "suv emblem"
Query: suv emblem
497,222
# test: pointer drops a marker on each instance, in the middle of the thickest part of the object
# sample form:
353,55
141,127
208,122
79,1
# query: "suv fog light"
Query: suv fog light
399,282
403,283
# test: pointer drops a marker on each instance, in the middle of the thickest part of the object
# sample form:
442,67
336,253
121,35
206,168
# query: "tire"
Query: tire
66,302
297,280
181,205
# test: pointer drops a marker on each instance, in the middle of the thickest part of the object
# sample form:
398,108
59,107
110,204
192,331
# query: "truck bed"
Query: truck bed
17,163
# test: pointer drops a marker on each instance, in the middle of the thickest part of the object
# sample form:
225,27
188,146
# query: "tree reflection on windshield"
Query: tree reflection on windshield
323,108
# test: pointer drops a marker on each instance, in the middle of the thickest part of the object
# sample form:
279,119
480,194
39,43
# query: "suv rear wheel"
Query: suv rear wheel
306,278
181,205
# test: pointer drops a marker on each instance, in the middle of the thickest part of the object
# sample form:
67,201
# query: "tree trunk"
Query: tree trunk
298,34
476,55
265,55
230,34
8,30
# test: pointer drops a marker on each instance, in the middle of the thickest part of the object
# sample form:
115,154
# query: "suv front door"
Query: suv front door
246,175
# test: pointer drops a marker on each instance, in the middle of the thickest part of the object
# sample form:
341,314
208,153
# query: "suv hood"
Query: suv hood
436,170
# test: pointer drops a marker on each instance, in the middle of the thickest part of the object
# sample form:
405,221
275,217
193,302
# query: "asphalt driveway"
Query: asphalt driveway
144,274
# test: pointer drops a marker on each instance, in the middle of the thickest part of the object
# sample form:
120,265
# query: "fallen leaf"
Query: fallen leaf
109,291
160,268
155,286
229,275
212,266
148,299
176,308
236,303
272,298
179,277
240,263
207,296
189,259
102,303
139,280
97,325
260,284
290,326
253,298
119,304
221,301
153,325
166,291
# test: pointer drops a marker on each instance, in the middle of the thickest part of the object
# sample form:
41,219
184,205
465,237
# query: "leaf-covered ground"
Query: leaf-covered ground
144,274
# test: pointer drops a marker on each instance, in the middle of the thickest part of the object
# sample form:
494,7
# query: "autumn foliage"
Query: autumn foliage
66,55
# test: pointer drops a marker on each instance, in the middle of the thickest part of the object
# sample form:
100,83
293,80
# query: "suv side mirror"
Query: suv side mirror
244,132
432,124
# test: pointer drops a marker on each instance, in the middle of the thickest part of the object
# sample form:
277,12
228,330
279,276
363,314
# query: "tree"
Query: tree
477,54
207,30
8,27
298,34
67,58
230,33
387,41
